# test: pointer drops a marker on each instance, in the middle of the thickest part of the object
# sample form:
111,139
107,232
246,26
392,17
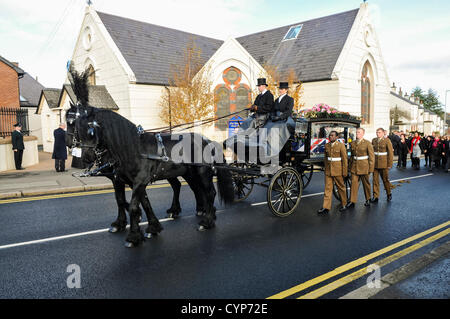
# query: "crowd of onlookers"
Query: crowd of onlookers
434,148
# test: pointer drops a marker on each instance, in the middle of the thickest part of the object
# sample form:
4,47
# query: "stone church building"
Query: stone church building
337,58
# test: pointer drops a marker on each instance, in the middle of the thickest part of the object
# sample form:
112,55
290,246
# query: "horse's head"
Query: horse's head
87,129
71,116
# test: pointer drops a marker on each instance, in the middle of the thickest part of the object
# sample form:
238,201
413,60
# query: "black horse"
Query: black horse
98,162
109,133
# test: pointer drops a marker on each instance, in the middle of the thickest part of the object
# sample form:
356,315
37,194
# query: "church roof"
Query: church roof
150,50
312,55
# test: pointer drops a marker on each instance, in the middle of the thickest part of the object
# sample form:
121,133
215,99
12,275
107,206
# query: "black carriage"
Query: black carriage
302,155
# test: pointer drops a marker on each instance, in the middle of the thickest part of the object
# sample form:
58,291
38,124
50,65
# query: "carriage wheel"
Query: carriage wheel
242,184
306,171
284,192
348,185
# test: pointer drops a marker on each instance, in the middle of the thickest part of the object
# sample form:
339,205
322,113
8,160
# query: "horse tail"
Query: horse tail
225,185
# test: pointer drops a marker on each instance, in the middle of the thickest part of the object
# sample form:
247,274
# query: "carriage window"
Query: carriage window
320,132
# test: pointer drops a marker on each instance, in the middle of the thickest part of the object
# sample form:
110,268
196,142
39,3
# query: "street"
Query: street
249,254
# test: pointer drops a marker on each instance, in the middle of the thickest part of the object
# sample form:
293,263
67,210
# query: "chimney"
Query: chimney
400,92
16,64
394,88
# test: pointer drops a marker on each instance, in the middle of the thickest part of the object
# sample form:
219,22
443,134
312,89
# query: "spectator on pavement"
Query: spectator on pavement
17,145
59,148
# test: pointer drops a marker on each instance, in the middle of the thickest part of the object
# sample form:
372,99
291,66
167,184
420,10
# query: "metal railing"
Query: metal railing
10,116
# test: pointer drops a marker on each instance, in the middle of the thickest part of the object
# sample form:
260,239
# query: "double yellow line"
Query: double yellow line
361,261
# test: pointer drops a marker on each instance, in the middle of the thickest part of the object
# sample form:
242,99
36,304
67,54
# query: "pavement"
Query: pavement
42,179
242,240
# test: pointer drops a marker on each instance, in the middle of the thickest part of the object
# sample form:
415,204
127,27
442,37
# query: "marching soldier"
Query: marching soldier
384,157
335,170
362,163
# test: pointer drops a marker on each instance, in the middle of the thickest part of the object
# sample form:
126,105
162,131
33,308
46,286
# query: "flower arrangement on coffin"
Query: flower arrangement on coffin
325,111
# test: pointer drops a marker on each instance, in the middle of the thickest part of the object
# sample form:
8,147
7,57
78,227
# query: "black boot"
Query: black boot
350,205
323,211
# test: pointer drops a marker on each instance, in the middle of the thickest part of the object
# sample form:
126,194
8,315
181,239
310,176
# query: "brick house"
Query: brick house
10,74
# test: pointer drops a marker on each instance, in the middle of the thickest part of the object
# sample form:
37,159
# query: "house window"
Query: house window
293,32
366,94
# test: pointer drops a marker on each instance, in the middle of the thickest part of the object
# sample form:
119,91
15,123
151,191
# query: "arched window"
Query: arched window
231,96
91,78
223,106
366,93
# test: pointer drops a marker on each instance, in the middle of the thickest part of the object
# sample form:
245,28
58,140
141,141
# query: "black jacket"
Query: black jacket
264,102
436,152
17,140
285,107
59,148
403,148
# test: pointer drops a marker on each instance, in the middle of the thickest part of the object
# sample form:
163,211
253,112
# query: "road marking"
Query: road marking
353,264
408,178
364,271
39,241
303,196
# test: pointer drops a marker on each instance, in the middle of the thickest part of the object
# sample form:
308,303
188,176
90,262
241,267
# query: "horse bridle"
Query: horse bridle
99,151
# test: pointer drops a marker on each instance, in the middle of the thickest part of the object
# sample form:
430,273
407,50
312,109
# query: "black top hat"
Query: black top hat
17,125
262,81
283,85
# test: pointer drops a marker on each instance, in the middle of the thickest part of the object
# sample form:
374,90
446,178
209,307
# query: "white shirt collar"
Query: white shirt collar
281,96
264,92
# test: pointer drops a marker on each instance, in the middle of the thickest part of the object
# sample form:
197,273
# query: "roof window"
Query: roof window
293,32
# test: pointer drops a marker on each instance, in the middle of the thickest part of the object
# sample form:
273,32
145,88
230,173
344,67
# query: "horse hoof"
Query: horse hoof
113,230
149,235
129,245
201,228
200,214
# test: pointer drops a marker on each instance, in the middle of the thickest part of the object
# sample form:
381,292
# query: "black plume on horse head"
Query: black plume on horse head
79,82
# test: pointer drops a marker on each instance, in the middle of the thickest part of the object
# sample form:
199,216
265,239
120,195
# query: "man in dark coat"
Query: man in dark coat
59,148
263,105
17,145
283,104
